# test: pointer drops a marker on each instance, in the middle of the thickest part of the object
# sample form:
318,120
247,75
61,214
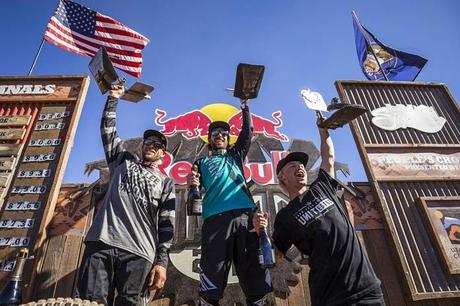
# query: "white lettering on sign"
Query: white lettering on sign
25,89
14,241
34,173
53,116
50,126
23,205
29,189
44,142
423,164
39,157
10,223
7,265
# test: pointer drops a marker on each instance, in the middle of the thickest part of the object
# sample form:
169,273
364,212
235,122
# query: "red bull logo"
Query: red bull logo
261,125
195,123
191,124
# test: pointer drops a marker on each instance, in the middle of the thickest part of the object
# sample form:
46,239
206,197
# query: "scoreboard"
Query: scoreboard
38,120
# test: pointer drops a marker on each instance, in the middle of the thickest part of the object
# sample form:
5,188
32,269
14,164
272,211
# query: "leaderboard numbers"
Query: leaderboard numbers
10,223
44,142
14,241
51,116
7,265
49,126
39,158
24,205
29,189
34,173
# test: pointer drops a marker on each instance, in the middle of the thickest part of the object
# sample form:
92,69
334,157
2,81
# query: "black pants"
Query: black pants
228,237
372,298
106,269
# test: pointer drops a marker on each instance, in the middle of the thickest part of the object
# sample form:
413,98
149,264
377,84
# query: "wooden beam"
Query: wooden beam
15,120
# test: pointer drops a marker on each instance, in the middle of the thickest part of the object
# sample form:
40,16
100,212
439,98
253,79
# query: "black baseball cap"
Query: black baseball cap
218,124
158,134
293,156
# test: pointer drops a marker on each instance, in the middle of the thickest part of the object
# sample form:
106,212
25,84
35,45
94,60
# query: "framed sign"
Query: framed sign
442,219
38,122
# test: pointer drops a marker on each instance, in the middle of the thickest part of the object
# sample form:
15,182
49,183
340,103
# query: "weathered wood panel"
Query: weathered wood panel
15,120
12,134
9,149
414,158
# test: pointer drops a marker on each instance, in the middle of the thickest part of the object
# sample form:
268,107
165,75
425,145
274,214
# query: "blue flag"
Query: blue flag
397,65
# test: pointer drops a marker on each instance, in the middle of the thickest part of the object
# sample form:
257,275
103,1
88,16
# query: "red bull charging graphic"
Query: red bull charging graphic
195,123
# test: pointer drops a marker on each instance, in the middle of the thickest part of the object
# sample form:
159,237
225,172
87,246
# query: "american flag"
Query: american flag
83,31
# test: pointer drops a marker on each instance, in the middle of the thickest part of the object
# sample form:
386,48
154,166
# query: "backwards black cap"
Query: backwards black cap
293,156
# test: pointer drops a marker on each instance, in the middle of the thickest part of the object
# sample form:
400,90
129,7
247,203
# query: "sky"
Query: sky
196,45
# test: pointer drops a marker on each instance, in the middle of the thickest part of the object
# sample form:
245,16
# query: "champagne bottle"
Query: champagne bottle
266,253
11,295
194,205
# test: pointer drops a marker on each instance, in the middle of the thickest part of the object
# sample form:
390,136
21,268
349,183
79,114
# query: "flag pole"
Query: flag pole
368,42
36,57
39,51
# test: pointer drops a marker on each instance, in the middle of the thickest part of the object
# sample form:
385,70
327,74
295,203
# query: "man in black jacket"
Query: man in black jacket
315,222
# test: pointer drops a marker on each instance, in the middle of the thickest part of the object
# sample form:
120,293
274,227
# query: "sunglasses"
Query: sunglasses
155,143
216,132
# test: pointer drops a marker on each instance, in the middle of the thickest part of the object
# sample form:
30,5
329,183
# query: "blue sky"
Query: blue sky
195,46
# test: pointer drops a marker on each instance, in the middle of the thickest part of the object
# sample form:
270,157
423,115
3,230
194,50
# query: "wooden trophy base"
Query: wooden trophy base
343,116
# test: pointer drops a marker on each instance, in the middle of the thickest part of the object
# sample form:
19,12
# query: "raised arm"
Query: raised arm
110,139
244,138
327,150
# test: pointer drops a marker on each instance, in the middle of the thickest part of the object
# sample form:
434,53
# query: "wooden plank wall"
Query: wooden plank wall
398,186
62,253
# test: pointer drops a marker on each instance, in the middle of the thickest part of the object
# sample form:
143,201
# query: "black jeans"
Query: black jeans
106,269
226,238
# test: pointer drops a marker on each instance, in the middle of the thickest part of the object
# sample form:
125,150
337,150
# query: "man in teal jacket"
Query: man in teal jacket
227,231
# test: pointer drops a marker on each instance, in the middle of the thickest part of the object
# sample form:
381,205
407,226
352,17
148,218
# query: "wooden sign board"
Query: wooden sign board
11,134
442,217
52,103
409,142
7,163
9,149
422,165
14,120
4,176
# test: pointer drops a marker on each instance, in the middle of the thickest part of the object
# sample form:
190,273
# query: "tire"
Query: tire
62,302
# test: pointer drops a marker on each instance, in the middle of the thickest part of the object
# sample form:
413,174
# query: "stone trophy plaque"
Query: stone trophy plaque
248,81
105,75
344,112
102,70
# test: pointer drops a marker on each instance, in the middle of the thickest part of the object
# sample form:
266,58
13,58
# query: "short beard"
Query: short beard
152,159
212,147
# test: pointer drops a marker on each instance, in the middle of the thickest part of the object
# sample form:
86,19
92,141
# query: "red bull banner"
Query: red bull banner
195,123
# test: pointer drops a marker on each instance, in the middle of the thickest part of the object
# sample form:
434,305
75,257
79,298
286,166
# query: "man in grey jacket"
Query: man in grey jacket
128,243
